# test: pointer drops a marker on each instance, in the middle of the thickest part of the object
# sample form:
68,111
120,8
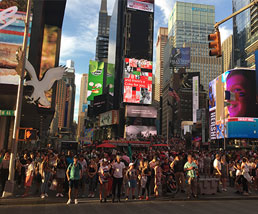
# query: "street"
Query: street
211,207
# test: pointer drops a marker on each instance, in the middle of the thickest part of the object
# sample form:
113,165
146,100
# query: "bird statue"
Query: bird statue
43,85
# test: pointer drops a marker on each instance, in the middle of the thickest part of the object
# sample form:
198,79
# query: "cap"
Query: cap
75,156
131,164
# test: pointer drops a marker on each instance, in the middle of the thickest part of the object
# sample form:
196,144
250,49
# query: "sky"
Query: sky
80,29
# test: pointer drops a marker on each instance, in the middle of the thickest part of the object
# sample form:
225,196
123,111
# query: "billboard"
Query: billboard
95,82
133,132
143,5
232,100
50,49
88,135
137,81
195,97
110,78
108,118
141,111
11,38
180,57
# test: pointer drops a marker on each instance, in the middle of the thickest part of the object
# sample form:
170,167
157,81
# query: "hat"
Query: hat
105,160
75,156
131,164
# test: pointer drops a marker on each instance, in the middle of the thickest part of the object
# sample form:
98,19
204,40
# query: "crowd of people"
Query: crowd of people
144,175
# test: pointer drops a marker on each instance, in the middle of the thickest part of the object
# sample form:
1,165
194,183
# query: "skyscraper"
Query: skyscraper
189,26
241,32
82,104
160,45
65,98
103,33
227,53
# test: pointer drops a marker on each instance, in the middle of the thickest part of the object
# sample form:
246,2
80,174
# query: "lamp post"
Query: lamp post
9,186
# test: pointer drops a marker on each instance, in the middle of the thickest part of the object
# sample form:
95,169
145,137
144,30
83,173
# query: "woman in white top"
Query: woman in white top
246,176
103,180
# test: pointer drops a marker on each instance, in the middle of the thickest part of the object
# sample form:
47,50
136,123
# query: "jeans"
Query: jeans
191,186
117,182
147,187
92,183
44,185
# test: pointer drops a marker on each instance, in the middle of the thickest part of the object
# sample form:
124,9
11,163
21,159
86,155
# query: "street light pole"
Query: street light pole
9,187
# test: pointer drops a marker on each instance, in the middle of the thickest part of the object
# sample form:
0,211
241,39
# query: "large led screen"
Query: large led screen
95,82
133,132
233,103
143,5
137,81
11,38
141,111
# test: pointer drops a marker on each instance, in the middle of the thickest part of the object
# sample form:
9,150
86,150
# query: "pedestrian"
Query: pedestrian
103,180
83,163
246,176
158,177
4,169
74,174
118,173
29,170
92,173
145,180
190,168
178,168
224,173
217,169
131,175
45,171
60,175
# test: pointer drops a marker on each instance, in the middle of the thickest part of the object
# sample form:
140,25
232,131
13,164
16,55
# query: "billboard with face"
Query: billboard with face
232,96
137,81
180,57
143,5
95,82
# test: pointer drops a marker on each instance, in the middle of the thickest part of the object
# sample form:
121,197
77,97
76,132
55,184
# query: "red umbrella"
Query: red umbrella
106,145
162,144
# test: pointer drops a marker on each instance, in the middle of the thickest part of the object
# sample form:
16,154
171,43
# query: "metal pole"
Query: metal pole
236,13
9,187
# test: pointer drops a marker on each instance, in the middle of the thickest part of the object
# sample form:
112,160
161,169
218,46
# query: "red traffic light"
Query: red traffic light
215,45
30,134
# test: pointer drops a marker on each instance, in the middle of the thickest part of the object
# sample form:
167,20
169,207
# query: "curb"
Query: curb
34,201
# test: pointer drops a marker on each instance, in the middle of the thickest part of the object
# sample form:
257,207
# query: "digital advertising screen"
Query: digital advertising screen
233,103
137,81
95,81
132,132
143,5
180,57
111,78
11,38
141,111
50,49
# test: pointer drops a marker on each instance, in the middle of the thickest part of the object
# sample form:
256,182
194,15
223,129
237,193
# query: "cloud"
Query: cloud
225,33
166,7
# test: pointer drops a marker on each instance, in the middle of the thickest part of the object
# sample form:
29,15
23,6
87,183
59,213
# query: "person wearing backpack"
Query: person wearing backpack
74,174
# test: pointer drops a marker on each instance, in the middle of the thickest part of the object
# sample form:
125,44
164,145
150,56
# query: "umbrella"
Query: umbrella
106,145
162,144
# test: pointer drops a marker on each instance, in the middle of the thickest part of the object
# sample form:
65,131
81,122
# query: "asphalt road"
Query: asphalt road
152,207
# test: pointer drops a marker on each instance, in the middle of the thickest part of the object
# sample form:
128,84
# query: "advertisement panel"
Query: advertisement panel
195,97
111,78
239,107
133,132
138,81
11,38
180,57
143,5
95,82
108,118
49,58
88,135
141,111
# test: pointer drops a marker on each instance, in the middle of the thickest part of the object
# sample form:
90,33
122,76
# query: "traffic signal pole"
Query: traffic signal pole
9,186
255,2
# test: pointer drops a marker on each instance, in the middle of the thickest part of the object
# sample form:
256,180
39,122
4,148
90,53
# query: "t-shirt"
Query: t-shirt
118,169
30,169
216,164
75,171
84,165
191,173
104,172
131,174
179,166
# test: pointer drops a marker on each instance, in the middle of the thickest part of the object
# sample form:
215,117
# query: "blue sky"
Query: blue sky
81,24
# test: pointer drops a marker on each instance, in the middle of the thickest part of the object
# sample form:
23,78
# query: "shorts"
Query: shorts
132,183
74,184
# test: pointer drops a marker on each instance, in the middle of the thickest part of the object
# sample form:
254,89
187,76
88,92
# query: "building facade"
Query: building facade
103,33
227,53
160,46
82,105
191,23
241,32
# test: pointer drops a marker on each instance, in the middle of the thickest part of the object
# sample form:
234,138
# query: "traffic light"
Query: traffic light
215,45
30,134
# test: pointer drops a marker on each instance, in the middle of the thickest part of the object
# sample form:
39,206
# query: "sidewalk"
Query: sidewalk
34,200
